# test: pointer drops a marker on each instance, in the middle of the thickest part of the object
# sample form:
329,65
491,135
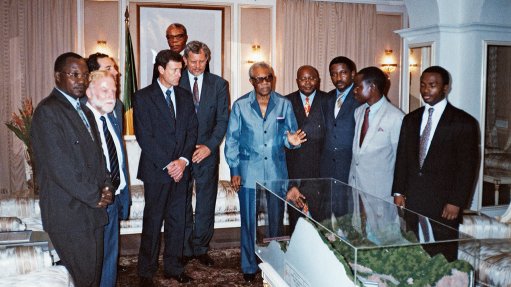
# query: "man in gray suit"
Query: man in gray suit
74,183
211,98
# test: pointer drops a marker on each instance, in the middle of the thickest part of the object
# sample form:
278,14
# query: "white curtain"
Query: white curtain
32,35
313,33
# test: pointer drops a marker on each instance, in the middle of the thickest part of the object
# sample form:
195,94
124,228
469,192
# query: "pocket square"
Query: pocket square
280,118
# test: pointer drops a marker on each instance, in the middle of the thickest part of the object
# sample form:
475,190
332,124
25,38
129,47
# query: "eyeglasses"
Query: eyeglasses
259,80
310,79
76,75
176,37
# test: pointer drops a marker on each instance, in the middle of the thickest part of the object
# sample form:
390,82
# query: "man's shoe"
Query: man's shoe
146,282
205,260
186,259
249,277
181,278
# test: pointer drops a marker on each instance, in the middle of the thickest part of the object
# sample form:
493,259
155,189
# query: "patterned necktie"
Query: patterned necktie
84,118
307,106
338,104
170,104
196,94
425,138
112,155
365,126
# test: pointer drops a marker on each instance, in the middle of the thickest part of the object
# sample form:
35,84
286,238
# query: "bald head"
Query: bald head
307,79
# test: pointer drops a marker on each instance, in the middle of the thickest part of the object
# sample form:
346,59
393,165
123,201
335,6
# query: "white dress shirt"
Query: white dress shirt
200,79
439,109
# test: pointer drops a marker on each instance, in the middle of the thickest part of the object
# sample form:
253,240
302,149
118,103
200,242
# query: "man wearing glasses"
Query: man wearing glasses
261,125
74,184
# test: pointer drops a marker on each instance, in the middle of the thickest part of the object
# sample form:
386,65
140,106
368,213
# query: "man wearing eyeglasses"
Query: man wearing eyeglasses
261,125
74,184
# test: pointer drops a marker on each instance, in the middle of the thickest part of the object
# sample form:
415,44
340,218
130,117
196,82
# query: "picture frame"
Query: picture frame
203,24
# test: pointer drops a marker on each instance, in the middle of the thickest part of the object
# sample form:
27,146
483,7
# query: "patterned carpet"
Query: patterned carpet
226,272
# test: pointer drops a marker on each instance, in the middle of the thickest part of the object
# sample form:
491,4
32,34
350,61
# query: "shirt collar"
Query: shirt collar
311,97
376,106
72,100
192,76
163,88
344,94
438,107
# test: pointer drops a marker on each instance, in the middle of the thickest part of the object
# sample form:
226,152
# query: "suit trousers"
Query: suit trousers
247,198
111,245
82,254
164,204
200,228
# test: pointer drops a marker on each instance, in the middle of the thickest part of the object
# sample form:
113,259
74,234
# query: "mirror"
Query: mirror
419,58
497,133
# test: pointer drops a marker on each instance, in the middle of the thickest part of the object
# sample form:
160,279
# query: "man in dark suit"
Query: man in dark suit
211,98
305,162
74,184
166,130
339,112
437,162
99,94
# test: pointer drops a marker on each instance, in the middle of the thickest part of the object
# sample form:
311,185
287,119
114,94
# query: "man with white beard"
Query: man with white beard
101,99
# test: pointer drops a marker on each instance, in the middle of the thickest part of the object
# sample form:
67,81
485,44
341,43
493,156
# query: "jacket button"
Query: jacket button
264,131
420,173
265,145
265,158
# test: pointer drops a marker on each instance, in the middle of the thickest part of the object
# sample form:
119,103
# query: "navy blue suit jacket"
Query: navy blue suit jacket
337,152
162,139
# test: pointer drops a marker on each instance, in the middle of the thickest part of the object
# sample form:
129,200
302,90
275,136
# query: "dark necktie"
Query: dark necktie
84,118
170,104
196,98
112,155
365,126
425,138
423,223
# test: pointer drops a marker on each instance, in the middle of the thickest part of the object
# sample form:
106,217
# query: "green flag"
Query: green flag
130,80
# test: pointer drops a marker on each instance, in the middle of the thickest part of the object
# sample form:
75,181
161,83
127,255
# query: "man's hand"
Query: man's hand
106,197
450,211
236,182
399,200
201,152
296,197
176,168
296,138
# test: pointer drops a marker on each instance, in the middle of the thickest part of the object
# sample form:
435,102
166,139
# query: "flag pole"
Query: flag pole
130,78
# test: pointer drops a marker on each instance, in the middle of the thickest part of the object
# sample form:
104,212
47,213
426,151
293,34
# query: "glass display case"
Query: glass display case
322,232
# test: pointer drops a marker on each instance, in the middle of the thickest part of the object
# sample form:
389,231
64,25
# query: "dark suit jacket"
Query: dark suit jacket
337,152
212,116
162,139
70,166
305,161
450,168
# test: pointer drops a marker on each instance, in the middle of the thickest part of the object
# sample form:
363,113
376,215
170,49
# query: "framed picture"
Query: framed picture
203,24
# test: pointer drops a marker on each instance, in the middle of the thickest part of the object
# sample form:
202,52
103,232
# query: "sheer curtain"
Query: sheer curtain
313,33
32,35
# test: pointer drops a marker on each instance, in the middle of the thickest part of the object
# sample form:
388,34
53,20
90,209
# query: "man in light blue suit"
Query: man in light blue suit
261,125
101,100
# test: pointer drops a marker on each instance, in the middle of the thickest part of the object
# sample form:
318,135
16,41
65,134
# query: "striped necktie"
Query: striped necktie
170,104
112,155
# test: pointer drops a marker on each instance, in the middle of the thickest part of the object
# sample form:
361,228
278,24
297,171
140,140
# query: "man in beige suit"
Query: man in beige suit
377,126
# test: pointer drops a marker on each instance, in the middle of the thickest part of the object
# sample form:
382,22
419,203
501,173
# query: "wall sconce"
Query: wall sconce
388,66
101,47
255,56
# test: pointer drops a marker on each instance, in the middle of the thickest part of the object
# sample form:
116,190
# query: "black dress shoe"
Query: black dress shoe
186,259
205,260
146,282
249,277
181,278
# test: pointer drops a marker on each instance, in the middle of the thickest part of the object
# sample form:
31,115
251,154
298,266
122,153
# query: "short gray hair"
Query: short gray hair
195,47
259,65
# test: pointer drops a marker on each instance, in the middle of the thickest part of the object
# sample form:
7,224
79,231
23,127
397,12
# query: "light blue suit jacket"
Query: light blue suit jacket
255,146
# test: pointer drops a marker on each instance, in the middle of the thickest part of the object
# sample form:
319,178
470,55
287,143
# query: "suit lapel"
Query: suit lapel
346,105
159,101
375,124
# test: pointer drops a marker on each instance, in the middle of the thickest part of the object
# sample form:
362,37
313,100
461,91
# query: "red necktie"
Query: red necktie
307,106
196,94
365,126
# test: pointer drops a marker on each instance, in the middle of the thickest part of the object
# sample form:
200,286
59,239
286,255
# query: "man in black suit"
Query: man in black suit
305,162
166,130
437,162
211,98
74,184
99,95
339,110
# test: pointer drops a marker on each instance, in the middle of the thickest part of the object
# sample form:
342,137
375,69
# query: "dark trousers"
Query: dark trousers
111,245
164,203
82,254
200,228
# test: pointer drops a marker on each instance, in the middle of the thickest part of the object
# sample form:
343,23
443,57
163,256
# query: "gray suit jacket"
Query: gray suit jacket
70,166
